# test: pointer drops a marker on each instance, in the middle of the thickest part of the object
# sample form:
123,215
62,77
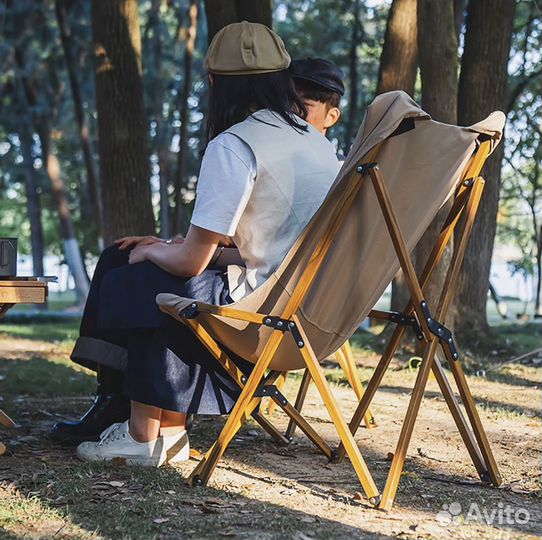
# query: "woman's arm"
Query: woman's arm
187,259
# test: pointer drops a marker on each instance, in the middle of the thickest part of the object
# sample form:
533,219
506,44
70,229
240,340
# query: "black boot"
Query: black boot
109,406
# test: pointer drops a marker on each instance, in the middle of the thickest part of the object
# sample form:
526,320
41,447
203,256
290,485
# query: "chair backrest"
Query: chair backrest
422,165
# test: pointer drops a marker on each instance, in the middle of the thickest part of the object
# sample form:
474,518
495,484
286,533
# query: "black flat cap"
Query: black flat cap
319,71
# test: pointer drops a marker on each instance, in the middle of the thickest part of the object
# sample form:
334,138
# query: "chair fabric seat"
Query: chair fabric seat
421,168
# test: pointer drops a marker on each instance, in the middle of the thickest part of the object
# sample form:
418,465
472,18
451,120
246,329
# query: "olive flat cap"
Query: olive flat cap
244,48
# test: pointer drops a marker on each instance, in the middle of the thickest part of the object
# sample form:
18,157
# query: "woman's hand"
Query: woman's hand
128,242
139,254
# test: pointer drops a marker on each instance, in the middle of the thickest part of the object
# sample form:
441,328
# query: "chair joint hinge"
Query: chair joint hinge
270,390
190,312
363,168
443,334
285,325
400,318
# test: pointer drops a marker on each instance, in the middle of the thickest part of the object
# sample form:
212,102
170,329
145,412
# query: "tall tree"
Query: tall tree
398,68
220,13
399,59
122,125
352,120
182,156
437,41
482,89
93,186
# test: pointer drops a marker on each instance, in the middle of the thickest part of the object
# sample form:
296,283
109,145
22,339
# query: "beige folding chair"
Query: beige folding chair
339,267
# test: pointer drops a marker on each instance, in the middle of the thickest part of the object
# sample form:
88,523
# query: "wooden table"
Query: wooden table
19,290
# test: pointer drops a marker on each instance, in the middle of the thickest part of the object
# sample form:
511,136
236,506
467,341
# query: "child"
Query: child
320,85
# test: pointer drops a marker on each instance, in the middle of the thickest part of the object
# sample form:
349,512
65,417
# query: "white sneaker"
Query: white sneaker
117,443
176,447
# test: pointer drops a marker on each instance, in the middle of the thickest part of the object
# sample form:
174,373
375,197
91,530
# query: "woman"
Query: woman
264,174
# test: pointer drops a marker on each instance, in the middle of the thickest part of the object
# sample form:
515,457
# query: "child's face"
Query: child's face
319,116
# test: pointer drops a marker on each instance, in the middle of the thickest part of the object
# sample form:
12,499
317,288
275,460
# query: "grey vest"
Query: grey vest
294,173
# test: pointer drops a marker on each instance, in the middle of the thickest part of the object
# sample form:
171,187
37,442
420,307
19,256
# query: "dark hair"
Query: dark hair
234,97
316,92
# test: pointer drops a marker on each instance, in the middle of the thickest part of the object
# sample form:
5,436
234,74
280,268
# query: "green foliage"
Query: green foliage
31,49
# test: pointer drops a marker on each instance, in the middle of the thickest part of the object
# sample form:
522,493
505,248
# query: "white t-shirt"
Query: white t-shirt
260,183
225,182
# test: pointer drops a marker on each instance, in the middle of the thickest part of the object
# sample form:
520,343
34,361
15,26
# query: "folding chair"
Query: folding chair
338,268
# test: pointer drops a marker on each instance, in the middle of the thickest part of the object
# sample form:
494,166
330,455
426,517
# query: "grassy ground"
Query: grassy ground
264,491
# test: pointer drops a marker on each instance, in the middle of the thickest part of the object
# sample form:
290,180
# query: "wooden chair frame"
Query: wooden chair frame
345,358
416,314
435,334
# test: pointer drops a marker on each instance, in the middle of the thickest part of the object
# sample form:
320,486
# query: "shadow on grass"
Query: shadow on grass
89,501
42,331
41,378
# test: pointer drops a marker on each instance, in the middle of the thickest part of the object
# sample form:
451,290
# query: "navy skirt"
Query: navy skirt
165,364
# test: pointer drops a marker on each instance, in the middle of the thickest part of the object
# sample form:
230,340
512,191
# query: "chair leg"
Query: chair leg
373,385
275,433
299,401
244,406
345,358
397,464
476,423
280,382
297,420
5,420
317,374
459,418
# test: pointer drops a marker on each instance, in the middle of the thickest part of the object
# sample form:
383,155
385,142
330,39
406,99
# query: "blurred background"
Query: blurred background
103,107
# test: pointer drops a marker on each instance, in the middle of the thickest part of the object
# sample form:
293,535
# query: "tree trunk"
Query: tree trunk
482,89
352,120
71,246
399,58
93,186
33,205
122,124
398,67
182,156
437,42
260,11
220,13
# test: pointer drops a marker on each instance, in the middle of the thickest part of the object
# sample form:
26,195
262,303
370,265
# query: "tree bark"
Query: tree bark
398,67
33,205
352,120
122,124
482,89
437,42
220,13
399,58
182,156
93,186
260,11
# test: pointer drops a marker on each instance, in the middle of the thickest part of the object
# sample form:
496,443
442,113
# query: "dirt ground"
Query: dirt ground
262,491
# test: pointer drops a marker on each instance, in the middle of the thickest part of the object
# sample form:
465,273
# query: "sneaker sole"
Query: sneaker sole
123,460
